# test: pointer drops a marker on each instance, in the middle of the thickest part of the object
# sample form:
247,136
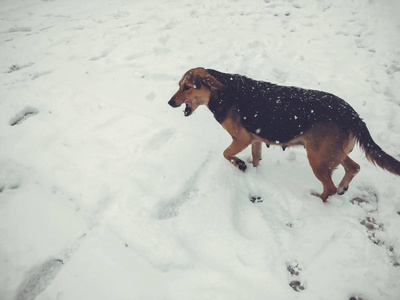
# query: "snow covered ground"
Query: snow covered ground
106,192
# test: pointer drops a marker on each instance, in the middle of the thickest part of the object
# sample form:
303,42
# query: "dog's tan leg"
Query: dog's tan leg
237,146
323,171
327,147
324,156
256,152
351,168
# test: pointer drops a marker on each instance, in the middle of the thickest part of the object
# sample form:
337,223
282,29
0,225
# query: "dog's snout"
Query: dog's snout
172,102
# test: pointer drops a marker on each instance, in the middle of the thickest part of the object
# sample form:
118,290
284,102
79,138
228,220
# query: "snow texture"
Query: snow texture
106,192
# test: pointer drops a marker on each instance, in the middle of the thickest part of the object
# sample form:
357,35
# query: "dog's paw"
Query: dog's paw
241,164
318,195
342,189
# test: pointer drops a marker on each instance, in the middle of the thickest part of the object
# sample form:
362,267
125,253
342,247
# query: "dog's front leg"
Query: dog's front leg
237,146
256,152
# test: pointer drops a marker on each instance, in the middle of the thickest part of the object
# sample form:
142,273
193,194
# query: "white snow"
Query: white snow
109,193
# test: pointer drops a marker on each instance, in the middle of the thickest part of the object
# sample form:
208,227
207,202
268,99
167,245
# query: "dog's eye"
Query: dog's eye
186,87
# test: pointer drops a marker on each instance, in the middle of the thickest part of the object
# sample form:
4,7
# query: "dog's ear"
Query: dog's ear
212,83
197,82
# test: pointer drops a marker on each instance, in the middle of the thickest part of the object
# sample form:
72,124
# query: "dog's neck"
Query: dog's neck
219,105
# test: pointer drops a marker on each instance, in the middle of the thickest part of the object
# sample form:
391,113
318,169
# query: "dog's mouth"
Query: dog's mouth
188,108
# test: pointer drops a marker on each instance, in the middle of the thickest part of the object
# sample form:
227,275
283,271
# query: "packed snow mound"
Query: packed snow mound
106,192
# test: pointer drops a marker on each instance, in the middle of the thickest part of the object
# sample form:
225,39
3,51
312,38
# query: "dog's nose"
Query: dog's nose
172,102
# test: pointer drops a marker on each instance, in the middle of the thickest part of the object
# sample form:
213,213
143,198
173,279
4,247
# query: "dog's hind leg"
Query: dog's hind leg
327,147
351,168
324,174
256,152
324,156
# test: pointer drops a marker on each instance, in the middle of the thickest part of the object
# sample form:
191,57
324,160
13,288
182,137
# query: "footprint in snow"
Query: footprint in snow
160,138
39,279
41,276
368,200
372,227
23,115
294,223
295,282
101,55
17,28
16,67
255,198
13,186
171,208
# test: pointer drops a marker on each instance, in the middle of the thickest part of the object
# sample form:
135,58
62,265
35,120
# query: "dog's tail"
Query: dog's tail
372,151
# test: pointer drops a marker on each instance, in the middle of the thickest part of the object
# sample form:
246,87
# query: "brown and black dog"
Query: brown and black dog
255,112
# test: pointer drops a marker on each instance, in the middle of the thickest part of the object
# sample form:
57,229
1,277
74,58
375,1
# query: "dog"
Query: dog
255,112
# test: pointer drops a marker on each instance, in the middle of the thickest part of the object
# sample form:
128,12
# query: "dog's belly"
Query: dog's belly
277,130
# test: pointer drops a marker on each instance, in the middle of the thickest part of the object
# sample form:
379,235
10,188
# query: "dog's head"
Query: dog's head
195,89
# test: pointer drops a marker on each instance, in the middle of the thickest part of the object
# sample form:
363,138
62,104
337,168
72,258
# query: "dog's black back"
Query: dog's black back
279,113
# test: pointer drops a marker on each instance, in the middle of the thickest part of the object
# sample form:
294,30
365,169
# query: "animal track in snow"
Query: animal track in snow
294,269
356,298
160,138
372,226
171,208
16,67
375,230
24,114
19,29
294,223
101,55
12,186
40,279
40,74
255,199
